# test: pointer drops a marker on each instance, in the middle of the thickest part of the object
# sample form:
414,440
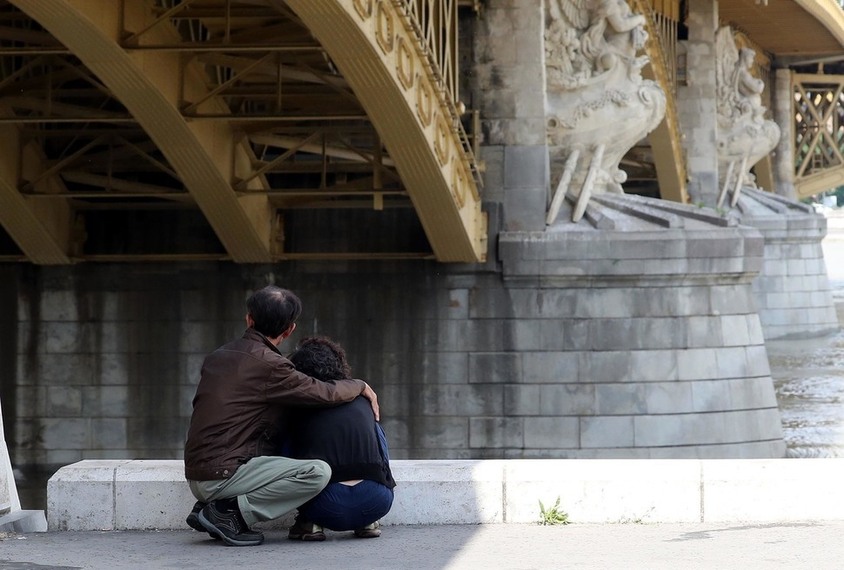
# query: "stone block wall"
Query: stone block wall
547,359
106,361
103,359
508,88
671,363
793,294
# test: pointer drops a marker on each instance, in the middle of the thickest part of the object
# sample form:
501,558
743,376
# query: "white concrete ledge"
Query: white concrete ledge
136,495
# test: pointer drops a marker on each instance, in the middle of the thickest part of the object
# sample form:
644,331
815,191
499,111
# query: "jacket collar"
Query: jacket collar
252,334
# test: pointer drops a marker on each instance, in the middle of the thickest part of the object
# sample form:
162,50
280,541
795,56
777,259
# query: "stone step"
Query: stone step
152,494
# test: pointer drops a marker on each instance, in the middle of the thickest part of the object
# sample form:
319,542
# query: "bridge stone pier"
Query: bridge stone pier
792,292
722,104
560,237
643,311
671,363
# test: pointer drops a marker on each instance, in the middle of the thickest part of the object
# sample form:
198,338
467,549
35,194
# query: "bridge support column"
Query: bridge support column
635,339
696,102
510,88
782,97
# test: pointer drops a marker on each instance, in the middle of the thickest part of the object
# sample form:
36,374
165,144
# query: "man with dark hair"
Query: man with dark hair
349,438
243,390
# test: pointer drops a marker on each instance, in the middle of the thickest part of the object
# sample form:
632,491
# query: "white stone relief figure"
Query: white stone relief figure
597,104
744,135
748,87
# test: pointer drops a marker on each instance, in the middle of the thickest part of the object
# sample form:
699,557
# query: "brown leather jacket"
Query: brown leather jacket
242,391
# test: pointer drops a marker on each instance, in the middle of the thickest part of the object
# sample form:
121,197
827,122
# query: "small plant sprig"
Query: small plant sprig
552,515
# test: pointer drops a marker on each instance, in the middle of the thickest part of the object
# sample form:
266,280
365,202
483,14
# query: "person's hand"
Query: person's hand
370,395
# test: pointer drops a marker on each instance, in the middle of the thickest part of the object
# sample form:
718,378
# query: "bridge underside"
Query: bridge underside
231,129
265,130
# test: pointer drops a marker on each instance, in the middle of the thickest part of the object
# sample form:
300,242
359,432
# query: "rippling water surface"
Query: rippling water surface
809,381
809,377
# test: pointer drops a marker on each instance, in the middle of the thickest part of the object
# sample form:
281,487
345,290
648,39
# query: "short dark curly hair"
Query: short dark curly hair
321,358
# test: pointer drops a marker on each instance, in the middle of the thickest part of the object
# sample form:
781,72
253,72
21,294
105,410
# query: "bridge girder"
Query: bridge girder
41,229
148,84
199,79
374,46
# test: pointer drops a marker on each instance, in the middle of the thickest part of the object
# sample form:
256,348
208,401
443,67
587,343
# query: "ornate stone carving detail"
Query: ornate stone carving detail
744,135
598,104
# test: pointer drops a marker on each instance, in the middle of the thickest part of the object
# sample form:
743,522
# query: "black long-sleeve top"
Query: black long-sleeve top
345,437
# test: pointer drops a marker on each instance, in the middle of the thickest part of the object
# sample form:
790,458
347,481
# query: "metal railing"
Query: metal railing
665,16
434,25
435,22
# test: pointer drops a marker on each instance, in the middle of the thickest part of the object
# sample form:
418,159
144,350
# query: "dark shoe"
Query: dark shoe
193,519
225,522
306,531
369,531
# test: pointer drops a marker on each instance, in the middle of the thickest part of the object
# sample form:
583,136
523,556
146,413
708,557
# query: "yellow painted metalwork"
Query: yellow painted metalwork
666,139
41,229
764,170
828,13
417,122
396,70
818,132
147,84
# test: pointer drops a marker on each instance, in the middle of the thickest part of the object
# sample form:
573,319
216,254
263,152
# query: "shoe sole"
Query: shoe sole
212,530
193,522
307,537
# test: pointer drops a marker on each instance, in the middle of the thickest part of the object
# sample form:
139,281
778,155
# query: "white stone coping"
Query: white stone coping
152,494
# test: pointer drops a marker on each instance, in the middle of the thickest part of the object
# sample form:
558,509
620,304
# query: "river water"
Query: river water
809,381
809,374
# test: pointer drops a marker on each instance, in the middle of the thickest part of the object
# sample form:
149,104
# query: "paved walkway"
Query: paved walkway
816,546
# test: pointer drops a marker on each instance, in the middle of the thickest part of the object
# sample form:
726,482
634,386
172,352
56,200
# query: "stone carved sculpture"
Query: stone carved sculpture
598,106
744,135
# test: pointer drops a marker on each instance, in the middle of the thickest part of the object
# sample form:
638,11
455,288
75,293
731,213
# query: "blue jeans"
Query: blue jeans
343,507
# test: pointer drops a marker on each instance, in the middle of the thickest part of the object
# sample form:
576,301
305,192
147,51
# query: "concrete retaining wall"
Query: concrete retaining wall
135,495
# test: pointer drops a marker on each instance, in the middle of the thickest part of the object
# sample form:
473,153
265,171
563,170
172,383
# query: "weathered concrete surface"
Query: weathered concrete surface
138,495
515,547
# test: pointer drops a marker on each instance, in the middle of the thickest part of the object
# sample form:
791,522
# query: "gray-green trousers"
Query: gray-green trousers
267,487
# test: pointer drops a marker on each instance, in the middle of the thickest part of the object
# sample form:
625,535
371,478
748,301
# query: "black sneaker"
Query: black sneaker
228,525
193,519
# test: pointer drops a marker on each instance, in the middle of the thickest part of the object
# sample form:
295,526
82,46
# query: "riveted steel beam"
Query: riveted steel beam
41,229
380,53
149,85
